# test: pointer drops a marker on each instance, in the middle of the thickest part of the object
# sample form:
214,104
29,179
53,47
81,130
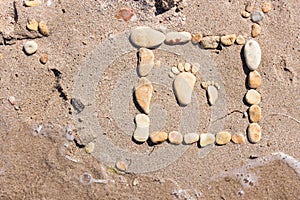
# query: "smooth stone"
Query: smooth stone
158,137
183,86
252,53
228,40
195,68
30,47
204,85
147,37
253,97
254,79
143,94
240,40
89,148
223,137
121,165
207,139
257,16
32,3
32,25
175,137
180,67
238,138
175,70
43,28
171,74
141,132
255,30
266,7
212,94
191,138
196,38
44,58
146,61
187,67
254,113
245,14
125,14
254,133
173,38
210,42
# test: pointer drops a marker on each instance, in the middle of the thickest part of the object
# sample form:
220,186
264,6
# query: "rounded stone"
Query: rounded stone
245,14
207,139
173,38
255,30
43,28
175,70
141,132
252,54
32,3
223,137
32,25
210,42
254,113
30,47
228,40
175,137
257,16
89,148
44,59
240,40
266,7
191,138
147,37
195,68
187,67
253,97
254,79
158,137
212,93
180,67
183,86
196,38
254,133
238,138
121,165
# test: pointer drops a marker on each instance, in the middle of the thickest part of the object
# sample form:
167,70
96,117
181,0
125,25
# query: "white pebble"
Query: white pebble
30,47
175,70
141,132
191,138
212,93
252,53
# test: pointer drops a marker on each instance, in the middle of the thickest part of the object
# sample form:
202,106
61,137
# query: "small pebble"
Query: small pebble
143,94
191,138
204,85
257,16
43,29
210,42
125,14
187,67
30,47
254,79
158,137
212,94
32,3
240,40
254,133
228,40
254,113
44,59
175,137
255,30
120,165
135,182
175,70
183,86
266,7
217,86
207,139
32,25
180,67
252,54
171,74
141,132
223,137
89,148
253,97
146,61
245,14
196,38
249,6
238,138
12,100
195,68
174,38
147,37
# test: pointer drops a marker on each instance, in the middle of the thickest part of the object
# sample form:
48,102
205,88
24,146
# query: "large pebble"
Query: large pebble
238,138
146,37
143,94
210,42
228,40
183,86
223,137
254,113
146,61
174,38
255,30
30,47
191,138
207,139
141,132
254,133
158,137
252,97
252,54
175,137
254,79
257,16
212,94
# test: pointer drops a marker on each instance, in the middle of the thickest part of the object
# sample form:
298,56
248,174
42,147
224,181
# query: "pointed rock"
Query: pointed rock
143,94
141,132
183,86
212,93
252,53
146,61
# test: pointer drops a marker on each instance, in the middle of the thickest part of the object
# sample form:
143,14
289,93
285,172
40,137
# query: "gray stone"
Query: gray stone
147,37
257,16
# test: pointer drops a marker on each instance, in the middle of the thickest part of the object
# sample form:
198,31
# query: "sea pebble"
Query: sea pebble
212,94
44,59
180,67
245,14
173,38
12,100
158,137
266,7
175,137
238,138
228,40
204,85
254,133
147,37
125,13
32,3
195,68
143,94
252,97
175,70
254,79
43,28
30,47
254,113
257,16
240,40
146,61
187,67
196,38
210,42
183,87
89,148
223,137
249,6
207,139
141,132
171,74
32,25
252,54
255,30
121,165
191,138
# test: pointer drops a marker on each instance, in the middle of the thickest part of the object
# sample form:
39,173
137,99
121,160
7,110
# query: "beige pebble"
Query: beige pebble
223,137
158,137
175,137
228,40
120,165
245,14
207,139
32,3
255,30
135,182
195,68
254,133
183,86
254,113
238,138
175,70
187,67
249,6
146,61
191,138
254,79
32,25
204,85
43,29
89,148
171,74
180,67
266,7
141,132
253,97
44,59
210,42
212,94
196,38
240,40
143,94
